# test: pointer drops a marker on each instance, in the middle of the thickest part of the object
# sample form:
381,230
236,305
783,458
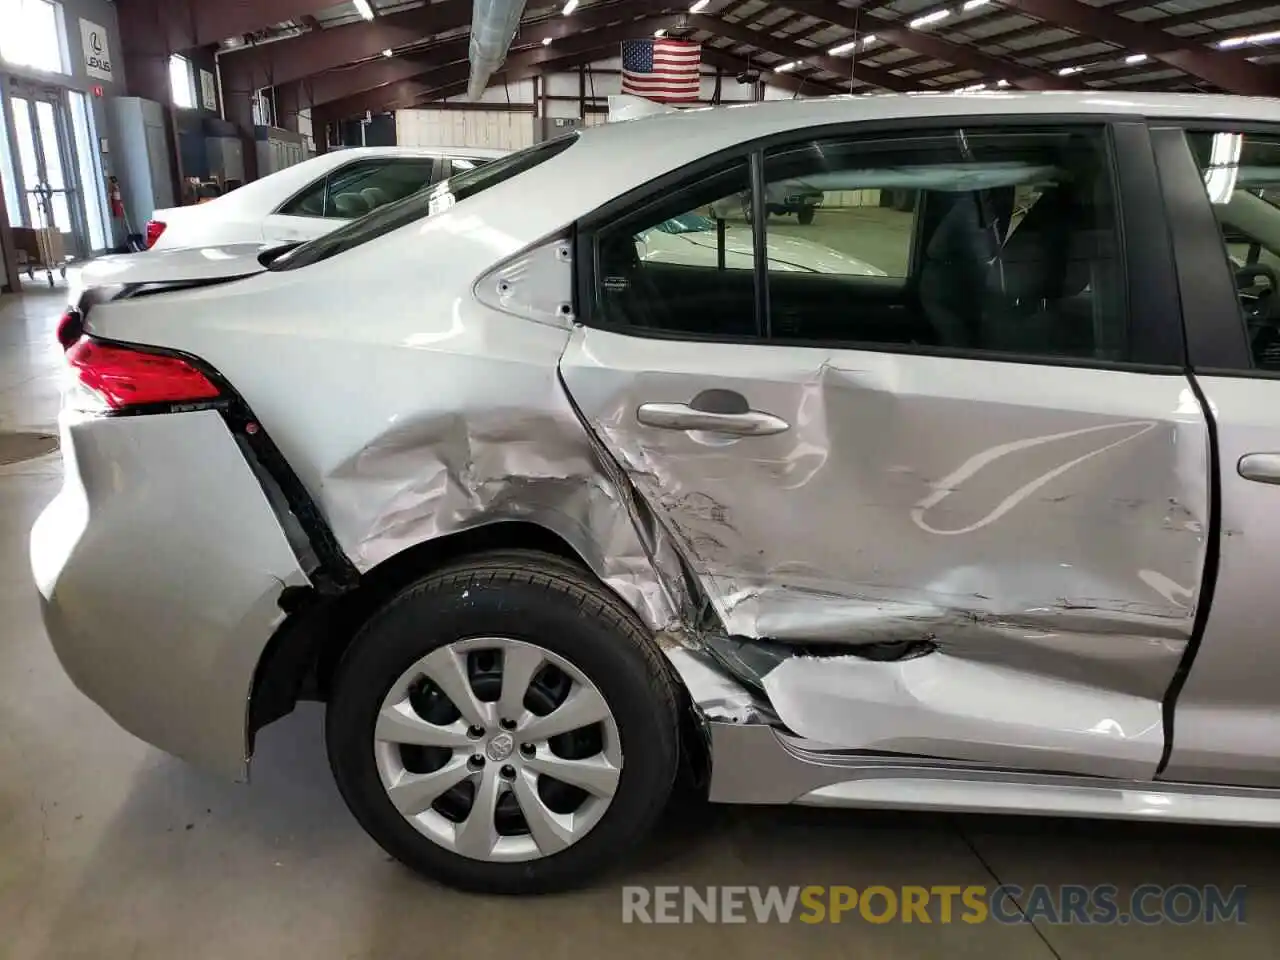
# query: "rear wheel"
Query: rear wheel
805,215
505,726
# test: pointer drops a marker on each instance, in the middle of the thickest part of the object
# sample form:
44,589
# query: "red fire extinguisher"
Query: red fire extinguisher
113,194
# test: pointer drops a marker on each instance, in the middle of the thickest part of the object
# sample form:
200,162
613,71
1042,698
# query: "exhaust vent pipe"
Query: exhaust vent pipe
493,25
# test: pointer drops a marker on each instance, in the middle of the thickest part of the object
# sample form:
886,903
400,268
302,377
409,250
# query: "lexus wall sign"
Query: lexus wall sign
97,54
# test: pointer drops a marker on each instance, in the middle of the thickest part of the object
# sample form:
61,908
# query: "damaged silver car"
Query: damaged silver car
972,512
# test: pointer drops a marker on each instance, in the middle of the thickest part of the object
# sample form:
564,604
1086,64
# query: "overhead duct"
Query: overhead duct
493,25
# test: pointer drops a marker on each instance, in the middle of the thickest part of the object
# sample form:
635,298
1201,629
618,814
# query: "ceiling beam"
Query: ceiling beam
843,67
380,71
272,64
964,56
981,20
513,71
176,26
1126,6
1265,26
760,14
905,63
1212,13
810,32
372,74
1056,46
425,83
451,80
783,81
1200,39
525,72
1027,33
1226,71
285,61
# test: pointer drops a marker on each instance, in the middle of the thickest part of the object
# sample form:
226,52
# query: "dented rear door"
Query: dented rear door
1043,526
1038,528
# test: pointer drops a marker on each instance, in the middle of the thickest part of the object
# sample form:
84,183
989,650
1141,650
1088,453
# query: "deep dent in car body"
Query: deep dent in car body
1103,654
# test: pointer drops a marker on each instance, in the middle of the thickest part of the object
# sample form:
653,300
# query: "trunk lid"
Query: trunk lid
182,267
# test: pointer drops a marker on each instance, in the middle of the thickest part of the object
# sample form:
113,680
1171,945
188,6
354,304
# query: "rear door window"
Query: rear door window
988,240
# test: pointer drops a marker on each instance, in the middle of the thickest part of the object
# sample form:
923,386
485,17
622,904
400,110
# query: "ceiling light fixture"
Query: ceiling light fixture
974,4
843,48
929,18
869,39
659,33
569,7
363,8
1135,58
546,41
388,52
783,68
699,6
1068,71
973,87
1002,83
1269,37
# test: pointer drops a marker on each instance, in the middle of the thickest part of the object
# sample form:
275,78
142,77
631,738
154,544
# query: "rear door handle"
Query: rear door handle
1260,467
681,416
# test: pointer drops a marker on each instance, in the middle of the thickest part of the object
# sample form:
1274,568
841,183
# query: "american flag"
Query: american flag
662,70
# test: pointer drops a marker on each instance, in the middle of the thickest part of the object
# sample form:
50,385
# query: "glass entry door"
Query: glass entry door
41,135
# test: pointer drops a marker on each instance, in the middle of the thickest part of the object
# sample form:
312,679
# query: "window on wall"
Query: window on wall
8,172
31,35
182,82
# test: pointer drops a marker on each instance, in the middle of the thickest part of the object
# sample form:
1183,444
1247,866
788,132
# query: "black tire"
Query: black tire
805,215
542,599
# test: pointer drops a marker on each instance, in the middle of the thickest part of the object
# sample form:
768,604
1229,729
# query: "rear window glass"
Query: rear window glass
443,195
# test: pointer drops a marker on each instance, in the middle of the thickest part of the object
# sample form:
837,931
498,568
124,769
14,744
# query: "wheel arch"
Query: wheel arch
299,661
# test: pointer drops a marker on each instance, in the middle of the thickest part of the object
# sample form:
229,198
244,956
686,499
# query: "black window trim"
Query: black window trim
1155,335
1214,348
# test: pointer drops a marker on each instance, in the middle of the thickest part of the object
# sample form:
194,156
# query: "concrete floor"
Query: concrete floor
109,849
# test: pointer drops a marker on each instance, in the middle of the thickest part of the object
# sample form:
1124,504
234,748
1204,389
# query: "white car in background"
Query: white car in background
311,198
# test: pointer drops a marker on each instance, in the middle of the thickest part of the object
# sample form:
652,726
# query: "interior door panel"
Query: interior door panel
808,307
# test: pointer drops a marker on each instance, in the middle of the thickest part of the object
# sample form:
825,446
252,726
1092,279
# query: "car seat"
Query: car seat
1052,257
957,260
350,206
375,197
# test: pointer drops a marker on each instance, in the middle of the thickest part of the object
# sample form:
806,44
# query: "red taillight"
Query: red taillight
124,377
70,328
154,229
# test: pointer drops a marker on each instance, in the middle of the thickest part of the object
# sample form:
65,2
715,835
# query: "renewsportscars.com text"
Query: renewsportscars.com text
1101,905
